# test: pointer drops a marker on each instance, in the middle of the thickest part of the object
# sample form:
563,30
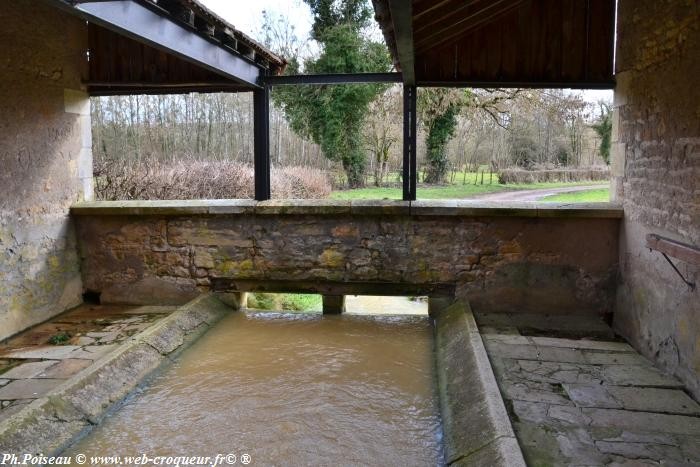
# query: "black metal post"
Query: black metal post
261,135
409,143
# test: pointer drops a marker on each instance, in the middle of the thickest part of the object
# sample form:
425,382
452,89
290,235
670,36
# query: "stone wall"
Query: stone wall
45,161
656,169
500,259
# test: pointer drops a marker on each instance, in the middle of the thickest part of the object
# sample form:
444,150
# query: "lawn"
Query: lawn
456,190
589,196
285,301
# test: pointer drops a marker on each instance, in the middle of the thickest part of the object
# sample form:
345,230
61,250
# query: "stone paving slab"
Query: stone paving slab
562,325
578,401
65,368
27,388
85,338
58,410
563,372
28,370
91,352
669,401
54,352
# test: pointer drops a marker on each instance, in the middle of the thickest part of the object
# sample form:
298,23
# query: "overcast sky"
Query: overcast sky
246,15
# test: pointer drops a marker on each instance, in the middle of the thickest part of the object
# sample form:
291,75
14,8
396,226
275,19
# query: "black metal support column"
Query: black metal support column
261,135
409,143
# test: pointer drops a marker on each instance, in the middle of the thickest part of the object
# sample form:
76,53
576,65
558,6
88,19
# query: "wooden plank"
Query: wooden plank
573,29
459,25
673,248
120,65
535,42
600,39
509,47
553,22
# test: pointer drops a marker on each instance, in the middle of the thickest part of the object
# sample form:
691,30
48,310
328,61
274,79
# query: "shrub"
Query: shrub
553,175
196,179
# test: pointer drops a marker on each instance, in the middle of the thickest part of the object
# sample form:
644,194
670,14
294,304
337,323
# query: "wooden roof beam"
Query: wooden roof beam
402,19
144,24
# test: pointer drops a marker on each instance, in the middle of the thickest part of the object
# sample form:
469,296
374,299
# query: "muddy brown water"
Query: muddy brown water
289,389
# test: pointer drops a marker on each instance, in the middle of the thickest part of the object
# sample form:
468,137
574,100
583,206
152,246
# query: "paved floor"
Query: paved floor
578,396
36,361
537,195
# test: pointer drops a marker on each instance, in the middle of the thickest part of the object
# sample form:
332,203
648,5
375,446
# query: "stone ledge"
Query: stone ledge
49,424
465,208
477,429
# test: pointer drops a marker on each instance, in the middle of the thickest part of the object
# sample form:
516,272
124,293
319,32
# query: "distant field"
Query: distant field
589,196
456,190
285,301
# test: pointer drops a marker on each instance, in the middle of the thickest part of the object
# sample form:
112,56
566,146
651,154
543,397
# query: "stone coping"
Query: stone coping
476,426
466,208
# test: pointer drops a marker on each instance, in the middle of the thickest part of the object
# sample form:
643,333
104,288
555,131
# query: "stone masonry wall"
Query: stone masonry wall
656,169
523,264
45,161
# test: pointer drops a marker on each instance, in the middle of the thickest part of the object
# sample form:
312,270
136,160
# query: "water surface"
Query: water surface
290,389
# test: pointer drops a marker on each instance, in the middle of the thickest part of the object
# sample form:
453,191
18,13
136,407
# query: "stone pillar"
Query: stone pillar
656,135
333,304
45,161
235,300
439,303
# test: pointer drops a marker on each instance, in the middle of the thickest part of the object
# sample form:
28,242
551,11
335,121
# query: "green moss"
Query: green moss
60,338
261,301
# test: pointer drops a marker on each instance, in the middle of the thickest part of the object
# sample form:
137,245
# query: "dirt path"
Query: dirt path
536,195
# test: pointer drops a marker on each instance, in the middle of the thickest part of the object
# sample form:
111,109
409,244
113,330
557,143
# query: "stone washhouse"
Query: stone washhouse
627,268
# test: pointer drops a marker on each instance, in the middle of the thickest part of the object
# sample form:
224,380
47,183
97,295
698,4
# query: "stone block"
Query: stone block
165,337
111,380
333,304
76,102
583,344
472,410
592,395
28,388
670,401
655,422
28,370
53,352
65,368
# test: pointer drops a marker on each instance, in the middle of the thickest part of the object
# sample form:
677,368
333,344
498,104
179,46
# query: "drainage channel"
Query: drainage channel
208,385
289,389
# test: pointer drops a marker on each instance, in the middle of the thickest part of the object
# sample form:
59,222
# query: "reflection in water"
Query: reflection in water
290,389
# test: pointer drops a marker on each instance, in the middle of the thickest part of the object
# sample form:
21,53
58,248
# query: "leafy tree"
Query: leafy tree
604,130
333,115
439,109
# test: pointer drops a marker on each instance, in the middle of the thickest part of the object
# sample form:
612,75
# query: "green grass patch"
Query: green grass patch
60,338
285,301
601,195
456,190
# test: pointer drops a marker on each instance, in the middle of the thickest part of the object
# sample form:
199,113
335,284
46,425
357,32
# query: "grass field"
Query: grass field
589,196
285,301
457,190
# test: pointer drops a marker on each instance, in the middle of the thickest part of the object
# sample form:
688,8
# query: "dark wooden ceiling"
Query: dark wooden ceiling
518,42
120,65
